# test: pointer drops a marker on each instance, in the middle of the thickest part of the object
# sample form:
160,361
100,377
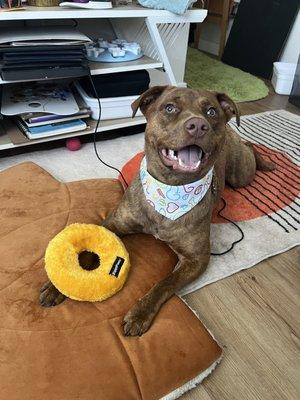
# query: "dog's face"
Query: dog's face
185,128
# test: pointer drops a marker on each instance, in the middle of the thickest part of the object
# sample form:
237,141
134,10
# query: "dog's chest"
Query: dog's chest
168,230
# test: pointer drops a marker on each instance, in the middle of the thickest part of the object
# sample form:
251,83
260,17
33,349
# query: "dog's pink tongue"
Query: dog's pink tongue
189,155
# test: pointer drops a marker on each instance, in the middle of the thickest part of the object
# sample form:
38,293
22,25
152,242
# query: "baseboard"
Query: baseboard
209,47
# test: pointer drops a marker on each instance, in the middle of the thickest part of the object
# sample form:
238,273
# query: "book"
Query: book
95,5
52,118
60,128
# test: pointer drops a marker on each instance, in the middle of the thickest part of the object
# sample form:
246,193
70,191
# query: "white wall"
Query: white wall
291,50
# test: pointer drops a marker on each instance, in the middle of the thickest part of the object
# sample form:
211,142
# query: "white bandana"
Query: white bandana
173,201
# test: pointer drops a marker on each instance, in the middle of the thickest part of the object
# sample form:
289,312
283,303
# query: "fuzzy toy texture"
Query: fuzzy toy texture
175,6
66,274
205,72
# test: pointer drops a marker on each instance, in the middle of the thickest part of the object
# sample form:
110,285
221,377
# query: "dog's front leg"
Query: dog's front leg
121,222
138,320
50,296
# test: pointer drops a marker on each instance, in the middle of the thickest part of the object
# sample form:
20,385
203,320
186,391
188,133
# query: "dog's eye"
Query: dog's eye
170,108
211,112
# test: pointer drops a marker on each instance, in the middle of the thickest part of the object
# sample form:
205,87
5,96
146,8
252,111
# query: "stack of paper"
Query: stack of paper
42,52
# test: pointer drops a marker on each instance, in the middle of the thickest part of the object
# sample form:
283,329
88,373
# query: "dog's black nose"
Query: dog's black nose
196,126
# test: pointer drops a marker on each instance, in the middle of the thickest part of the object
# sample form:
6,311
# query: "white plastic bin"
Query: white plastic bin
111,108
283,77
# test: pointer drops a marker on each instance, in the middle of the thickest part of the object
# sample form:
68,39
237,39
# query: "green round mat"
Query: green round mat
205,72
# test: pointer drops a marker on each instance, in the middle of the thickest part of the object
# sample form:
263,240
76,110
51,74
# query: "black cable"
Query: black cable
95,133
233,223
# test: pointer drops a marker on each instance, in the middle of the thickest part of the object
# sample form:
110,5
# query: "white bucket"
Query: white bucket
283,77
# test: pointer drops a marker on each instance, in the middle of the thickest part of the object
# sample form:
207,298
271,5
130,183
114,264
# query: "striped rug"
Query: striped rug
277,136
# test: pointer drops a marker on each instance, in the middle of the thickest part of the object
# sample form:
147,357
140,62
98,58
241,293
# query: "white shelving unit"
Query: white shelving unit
131,11
160,33
107,125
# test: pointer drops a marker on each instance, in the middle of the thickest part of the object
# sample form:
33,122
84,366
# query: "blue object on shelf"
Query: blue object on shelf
175,6
106,57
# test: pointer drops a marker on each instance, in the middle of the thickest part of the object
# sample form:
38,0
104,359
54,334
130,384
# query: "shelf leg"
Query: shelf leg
156,38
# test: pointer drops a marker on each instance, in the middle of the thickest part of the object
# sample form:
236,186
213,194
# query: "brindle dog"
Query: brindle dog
186,134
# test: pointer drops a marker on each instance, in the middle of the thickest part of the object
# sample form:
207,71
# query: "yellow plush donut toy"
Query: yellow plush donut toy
87,262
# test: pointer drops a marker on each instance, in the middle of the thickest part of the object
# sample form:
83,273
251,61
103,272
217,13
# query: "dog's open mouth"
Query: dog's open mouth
186,159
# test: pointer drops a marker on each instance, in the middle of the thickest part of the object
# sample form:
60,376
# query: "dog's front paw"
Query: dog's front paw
50,296
138,320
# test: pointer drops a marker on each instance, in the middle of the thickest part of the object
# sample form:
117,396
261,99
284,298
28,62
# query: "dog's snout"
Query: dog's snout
196,126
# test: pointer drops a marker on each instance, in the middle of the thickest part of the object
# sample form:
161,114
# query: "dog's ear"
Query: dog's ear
146,99
229,107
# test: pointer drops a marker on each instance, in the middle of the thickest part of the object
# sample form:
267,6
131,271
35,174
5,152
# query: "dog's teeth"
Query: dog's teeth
172,154
181,163
198,163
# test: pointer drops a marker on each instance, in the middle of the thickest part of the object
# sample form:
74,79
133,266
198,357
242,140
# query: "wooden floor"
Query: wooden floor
255,316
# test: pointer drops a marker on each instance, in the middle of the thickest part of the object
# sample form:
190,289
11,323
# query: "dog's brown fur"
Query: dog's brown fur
234,162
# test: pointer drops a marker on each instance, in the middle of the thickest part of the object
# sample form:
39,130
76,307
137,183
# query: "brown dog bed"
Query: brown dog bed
77,350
